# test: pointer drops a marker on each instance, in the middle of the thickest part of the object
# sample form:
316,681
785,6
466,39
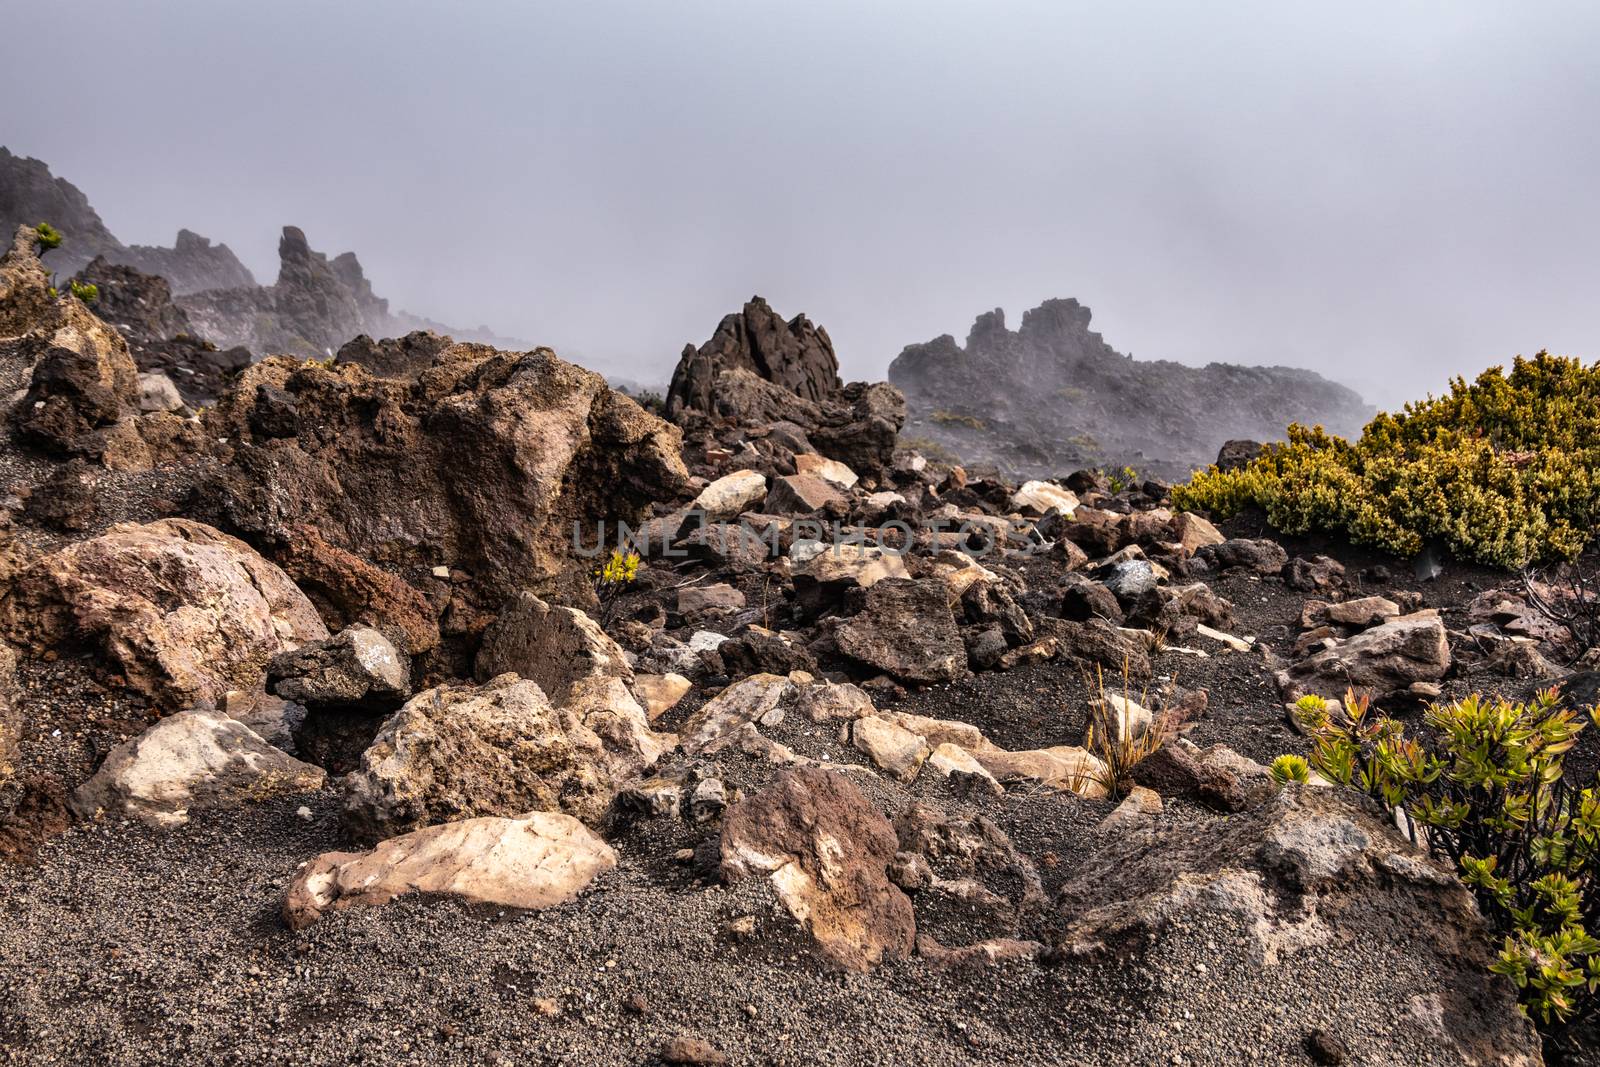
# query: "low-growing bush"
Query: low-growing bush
47,236
951,418
1504,470
1483,786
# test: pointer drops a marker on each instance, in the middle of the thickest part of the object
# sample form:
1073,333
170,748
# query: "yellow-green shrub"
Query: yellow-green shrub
1505,471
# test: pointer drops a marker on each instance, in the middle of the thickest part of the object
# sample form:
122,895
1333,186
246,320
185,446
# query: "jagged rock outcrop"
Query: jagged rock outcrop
759,372
81,394
482,464
1053,396
796,355
316,305
160,336
30,194
191,265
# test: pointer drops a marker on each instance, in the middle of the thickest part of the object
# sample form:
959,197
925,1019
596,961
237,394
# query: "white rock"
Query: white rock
1238,644
534,861
194,760
706,641
1065,767
829,470
1042,496
732,494
157,393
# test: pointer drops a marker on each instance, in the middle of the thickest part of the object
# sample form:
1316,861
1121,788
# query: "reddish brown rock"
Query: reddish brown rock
826,851
185,613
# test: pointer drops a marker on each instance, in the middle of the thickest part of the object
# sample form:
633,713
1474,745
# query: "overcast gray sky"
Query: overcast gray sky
1388,192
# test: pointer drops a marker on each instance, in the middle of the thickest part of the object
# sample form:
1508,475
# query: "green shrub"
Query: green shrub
1505,471
1287,769
951,418
88,292
48,236
1485,789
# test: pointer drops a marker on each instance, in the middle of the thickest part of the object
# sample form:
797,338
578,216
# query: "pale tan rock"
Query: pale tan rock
185,612
1065,767
1237,644
892,748
533,861
731,495
939,731
953,761
660,693
191,761
1192,532
1365,611
502,748
1138,809
746,702
829,470
1042,496
1129,718
861,565
10,715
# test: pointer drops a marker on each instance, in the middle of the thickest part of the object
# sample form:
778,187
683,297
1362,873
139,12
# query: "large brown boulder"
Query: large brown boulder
826,851
484,463
185,613
503,748
347,589
905,629
1315,892
556,647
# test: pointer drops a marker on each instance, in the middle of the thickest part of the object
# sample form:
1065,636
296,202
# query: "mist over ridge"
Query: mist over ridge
1382,194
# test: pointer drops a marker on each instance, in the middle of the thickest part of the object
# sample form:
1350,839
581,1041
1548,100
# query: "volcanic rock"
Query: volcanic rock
459,751
191,761
1300,892
905,630
357,667
532,861
1381,661
485,463
1054,396
184,612
757,371
556,647
826,851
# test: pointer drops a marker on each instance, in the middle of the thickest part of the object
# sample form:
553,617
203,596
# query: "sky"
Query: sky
1391,193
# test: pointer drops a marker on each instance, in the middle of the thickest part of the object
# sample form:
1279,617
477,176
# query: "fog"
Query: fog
1390,193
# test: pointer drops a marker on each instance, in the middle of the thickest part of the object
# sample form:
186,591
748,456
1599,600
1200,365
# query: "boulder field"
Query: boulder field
438,703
